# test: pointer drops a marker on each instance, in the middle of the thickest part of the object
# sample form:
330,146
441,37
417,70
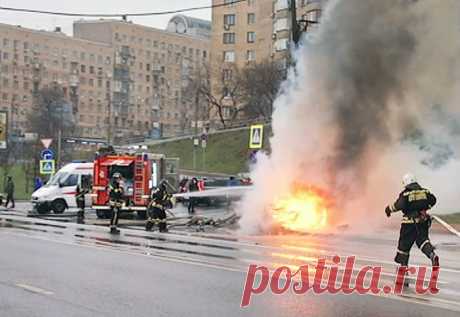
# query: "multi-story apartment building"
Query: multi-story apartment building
119,78
253,31
151,70
31,60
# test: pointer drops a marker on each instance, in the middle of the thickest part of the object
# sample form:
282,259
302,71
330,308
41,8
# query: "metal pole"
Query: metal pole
204,159
294,25
59,147
194,153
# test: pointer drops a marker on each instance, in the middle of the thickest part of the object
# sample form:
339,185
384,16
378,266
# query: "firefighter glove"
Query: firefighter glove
388,211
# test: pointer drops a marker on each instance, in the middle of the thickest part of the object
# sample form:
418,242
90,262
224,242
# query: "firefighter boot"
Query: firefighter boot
434,259
114,230
428,249
149,225
80,217
162,226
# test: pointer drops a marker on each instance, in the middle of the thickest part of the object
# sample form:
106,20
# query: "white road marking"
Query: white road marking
34,289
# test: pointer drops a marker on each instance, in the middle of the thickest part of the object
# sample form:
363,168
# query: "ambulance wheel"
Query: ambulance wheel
142,214
58,206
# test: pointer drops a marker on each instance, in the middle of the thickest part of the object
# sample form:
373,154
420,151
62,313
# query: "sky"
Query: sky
47,22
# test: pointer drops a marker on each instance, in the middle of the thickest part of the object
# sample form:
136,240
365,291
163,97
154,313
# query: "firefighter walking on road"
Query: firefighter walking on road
82,190
414,202
115,201
160,201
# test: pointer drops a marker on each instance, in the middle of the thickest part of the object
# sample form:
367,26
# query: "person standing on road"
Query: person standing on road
9,190
157,209
82,190
115,201
414,202
193,187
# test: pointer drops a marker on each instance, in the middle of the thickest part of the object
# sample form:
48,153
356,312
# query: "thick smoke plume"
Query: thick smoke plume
374,95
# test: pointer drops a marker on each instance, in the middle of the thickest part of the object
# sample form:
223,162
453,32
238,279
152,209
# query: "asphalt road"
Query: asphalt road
52,268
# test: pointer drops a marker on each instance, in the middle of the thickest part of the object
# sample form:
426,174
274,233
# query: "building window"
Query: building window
229,19
230,2
251,55
91,69
281,45
227,74
251,2
251,18
229,56
281,25
82,68
251,37
229,38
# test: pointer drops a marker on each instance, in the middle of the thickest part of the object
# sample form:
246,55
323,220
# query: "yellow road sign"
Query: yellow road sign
47,167
256,136
3,128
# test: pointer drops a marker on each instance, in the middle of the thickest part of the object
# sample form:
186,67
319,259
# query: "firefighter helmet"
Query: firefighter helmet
409,179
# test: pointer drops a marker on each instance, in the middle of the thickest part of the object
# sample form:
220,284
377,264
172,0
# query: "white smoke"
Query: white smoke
374,96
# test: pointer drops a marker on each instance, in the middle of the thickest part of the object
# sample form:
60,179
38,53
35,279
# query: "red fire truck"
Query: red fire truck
140,173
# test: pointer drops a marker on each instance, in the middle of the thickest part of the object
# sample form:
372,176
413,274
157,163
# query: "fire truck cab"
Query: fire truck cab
141,172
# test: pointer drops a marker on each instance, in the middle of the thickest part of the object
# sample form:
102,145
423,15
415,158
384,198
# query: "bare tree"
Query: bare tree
247,93
260,85
52,113
223,94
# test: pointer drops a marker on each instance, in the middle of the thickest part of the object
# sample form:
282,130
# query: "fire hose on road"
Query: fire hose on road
446,226
200,222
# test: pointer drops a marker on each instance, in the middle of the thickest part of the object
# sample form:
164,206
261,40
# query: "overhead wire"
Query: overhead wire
122,15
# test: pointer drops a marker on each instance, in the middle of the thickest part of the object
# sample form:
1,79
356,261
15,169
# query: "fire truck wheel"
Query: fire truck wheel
142,214
59,206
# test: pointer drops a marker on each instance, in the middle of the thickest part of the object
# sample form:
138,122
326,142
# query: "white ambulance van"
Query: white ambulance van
59,192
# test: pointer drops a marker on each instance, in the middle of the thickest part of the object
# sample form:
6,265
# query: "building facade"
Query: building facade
253,31
121,79
151,69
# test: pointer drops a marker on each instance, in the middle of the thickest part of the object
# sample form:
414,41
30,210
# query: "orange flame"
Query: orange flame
305,209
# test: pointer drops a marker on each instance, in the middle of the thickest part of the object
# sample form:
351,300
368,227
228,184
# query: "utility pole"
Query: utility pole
195,133
294,25
109,111
58,163
299,26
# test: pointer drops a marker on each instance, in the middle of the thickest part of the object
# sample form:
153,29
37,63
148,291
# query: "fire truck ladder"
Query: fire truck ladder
138,179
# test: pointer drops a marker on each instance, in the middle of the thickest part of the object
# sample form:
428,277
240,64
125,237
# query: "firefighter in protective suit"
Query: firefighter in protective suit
414,202
115,201
80,193
160,201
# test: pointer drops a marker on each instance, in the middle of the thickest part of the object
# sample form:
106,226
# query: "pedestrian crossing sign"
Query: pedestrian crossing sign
256,136
47,167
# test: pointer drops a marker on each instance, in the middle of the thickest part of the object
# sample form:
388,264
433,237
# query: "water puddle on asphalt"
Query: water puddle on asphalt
154,247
